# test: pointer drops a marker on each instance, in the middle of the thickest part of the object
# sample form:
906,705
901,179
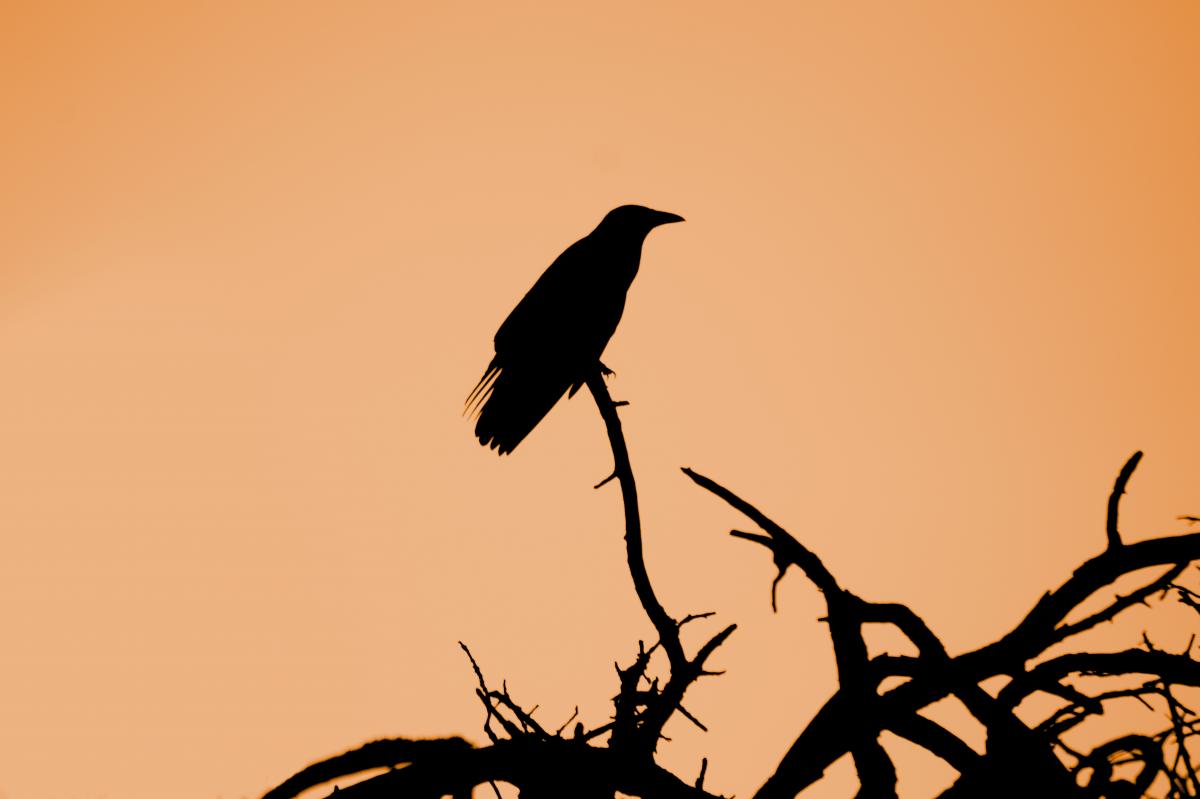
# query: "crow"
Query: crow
552,341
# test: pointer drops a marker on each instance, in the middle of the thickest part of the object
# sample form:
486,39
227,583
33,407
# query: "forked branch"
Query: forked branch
659,704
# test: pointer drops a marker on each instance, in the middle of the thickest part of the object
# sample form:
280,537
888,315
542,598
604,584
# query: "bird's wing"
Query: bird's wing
547,308
549,343
524,393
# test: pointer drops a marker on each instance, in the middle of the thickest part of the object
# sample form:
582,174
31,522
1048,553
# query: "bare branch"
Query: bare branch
1179,727
1141,748
528,723
1114,499
683,711
783,544
376,754
934,675
1038,629
877,774
656,717
482,692
558,733
1161,584
539,768
668,631
936,739
1175,668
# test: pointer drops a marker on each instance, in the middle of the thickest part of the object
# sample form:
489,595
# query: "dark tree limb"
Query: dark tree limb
1121,603
1017,760
787,550
1179,728
1114,499
1142,748
668,630
386,753
877,773
936,739
646,729
935,675
1040,627
541,769
1178,669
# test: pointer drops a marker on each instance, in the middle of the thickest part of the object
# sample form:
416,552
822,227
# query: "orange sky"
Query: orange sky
938,280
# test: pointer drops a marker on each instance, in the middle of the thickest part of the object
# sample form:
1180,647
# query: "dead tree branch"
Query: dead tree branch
668,630
1017,758
643,731
1014,751
1114,499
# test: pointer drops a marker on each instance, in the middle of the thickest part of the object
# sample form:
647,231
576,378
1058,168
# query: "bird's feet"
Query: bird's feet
606,372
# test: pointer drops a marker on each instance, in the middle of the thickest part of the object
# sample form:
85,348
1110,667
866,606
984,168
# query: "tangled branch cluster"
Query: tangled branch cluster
1018,757
1037,759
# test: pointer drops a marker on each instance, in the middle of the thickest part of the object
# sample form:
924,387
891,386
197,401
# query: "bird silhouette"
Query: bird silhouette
552,341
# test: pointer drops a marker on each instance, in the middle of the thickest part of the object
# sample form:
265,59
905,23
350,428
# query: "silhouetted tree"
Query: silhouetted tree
1019,758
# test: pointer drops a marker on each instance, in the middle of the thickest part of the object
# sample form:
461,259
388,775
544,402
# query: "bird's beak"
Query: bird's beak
666,218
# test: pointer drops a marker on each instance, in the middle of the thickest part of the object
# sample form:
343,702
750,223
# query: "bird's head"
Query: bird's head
636,220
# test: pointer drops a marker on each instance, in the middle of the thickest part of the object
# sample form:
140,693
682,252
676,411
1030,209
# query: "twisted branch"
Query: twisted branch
857,711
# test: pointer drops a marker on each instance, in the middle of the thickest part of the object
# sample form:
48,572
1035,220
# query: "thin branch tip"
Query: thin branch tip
1114,499
606,480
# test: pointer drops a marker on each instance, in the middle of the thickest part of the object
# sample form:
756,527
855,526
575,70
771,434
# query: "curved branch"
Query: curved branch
934,674
1120,603
876,772
1040,627
684,672
385,753
936,739
668,630
539,769
785,548
1178,669
1114,499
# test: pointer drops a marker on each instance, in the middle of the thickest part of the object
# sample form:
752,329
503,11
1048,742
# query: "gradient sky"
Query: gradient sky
938,280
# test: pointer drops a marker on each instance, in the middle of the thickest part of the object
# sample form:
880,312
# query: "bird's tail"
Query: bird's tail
482,389
514,400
